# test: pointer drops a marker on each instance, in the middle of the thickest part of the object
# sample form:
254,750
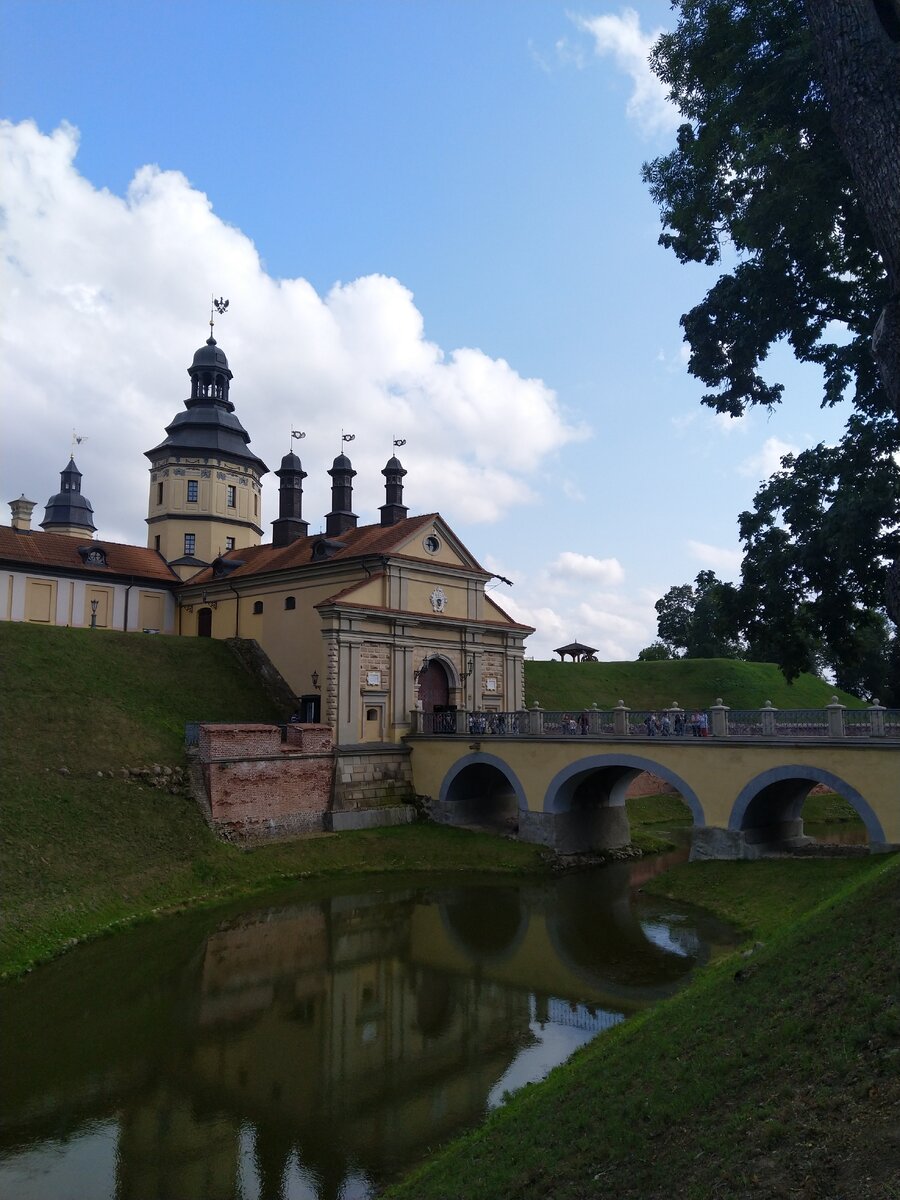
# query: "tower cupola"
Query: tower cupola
68,511
205,493
393,510
289,524
341,516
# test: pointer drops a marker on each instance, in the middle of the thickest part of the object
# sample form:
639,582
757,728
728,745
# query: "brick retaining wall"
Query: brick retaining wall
261,788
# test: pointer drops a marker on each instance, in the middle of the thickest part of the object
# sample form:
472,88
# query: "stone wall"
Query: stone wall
372,778
259,788
375,656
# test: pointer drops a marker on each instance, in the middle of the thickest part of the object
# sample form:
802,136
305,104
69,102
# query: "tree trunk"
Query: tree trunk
860,61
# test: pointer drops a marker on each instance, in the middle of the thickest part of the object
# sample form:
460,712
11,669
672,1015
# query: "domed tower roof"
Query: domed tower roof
393,509
208,424
68,511
341,517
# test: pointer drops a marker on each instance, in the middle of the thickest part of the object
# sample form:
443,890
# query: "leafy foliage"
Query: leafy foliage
700,620
758,184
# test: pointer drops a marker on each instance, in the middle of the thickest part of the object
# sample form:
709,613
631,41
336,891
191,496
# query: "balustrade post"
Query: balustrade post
719,718
462,721
416,723
536,720
672,712
767,713
835,712
876,718
620,719
594,718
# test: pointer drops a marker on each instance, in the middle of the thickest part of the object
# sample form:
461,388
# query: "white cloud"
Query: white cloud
767,459
716,558
106,302
586,568
622,37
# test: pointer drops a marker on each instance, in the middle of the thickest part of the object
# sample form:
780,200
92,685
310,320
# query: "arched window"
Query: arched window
371,714
257,607
290,602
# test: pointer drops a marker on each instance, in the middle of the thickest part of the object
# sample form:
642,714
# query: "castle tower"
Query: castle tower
205,495
68,511
393,510
289,524
341,516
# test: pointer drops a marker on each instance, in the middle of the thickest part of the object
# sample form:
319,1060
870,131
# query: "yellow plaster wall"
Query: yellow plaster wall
414,547
419,596
104,598
151,611
40,601
716,771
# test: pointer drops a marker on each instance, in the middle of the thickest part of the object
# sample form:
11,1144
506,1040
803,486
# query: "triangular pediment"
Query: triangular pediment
434,543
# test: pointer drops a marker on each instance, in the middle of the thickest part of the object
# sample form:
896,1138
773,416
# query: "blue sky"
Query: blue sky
430,223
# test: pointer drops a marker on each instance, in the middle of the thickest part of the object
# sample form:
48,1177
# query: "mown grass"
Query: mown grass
693,683
80,854
774,1074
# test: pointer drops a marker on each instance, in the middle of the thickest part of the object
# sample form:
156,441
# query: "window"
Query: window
159,493
229,544
231,495
156,543
193,486
257,607
256,506
290,602
190,543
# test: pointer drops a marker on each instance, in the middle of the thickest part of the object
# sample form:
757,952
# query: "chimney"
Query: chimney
21,513
341,517
289,524
393,510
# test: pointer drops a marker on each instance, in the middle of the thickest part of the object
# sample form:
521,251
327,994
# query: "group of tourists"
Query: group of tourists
665,726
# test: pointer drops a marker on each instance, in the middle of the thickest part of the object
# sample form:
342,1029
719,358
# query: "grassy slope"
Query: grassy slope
79,853
694,683
776,1074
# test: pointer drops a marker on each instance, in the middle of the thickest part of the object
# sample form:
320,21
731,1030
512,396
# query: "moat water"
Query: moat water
318,1044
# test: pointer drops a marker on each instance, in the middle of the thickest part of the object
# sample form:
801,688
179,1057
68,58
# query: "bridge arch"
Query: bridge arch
767,811
482,789
586,800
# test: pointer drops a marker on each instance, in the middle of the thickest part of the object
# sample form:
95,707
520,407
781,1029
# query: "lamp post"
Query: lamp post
94,605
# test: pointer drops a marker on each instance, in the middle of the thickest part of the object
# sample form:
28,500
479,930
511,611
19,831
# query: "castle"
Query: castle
364,622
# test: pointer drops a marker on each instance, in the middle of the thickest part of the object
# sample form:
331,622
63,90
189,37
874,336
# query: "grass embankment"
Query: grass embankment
776,1074
693,682
79,854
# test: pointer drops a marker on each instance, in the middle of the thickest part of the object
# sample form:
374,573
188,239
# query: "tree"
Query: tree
700,620
759,184
858,49
655,652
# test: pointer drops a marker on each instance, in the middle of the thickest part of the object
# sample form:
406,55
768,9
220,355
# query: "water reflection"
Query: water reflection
313,1048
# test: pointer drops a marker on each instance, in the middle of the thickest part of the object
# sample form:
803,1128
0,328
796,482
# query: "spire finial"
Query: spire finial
215,306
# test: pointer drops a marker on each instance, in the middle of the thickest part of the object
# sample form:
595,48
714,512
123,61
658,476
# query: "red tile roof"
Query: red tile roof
358,543
59,552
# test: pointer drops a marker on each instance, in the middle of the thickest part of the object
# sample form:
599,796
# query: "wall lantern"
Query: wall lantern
315,680
470,667
94,606
206,600
426,663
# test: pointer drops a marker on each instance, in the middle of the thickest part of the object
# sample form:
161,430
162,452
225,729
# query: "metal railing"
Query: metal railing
873,723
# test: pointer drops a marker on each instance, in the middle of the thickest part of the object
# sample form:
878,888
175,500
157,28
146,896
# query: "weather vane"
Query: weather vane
348,437
219,306
399,442
297,433
77,439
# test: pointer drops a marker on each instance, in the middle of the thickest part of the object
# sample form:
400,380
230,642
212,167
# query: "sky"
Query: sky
429,221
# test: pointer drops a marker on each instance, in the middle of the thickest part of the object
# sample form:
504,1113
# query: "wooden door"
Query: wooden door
204,622
434,688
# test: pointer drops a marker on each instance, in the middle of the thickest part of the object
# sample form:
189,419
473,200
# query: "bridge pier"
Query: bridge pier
710,842
578,830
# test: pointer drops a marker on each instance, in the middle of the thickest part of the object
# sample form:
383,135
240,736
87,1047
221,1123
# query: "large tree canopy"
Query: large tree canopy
759,185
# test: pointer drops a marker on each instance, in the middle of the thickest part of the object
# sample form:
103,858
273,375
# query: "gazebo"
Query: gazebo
579,652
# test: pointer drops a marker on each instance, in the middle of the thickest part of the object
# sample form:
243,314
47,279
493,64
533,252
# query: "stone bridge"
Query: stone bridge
745,791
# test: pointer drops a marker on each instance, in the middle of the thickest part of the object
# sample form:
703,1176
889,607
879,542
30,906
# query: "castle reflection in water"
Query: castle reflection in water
309,1049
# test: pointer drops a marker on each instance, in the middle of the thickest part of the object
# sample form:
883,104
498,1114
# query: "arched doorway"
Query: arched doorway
204,622
434,688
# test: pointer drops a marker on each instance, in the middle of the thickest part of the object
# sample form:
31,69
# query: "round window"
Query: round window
432,544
